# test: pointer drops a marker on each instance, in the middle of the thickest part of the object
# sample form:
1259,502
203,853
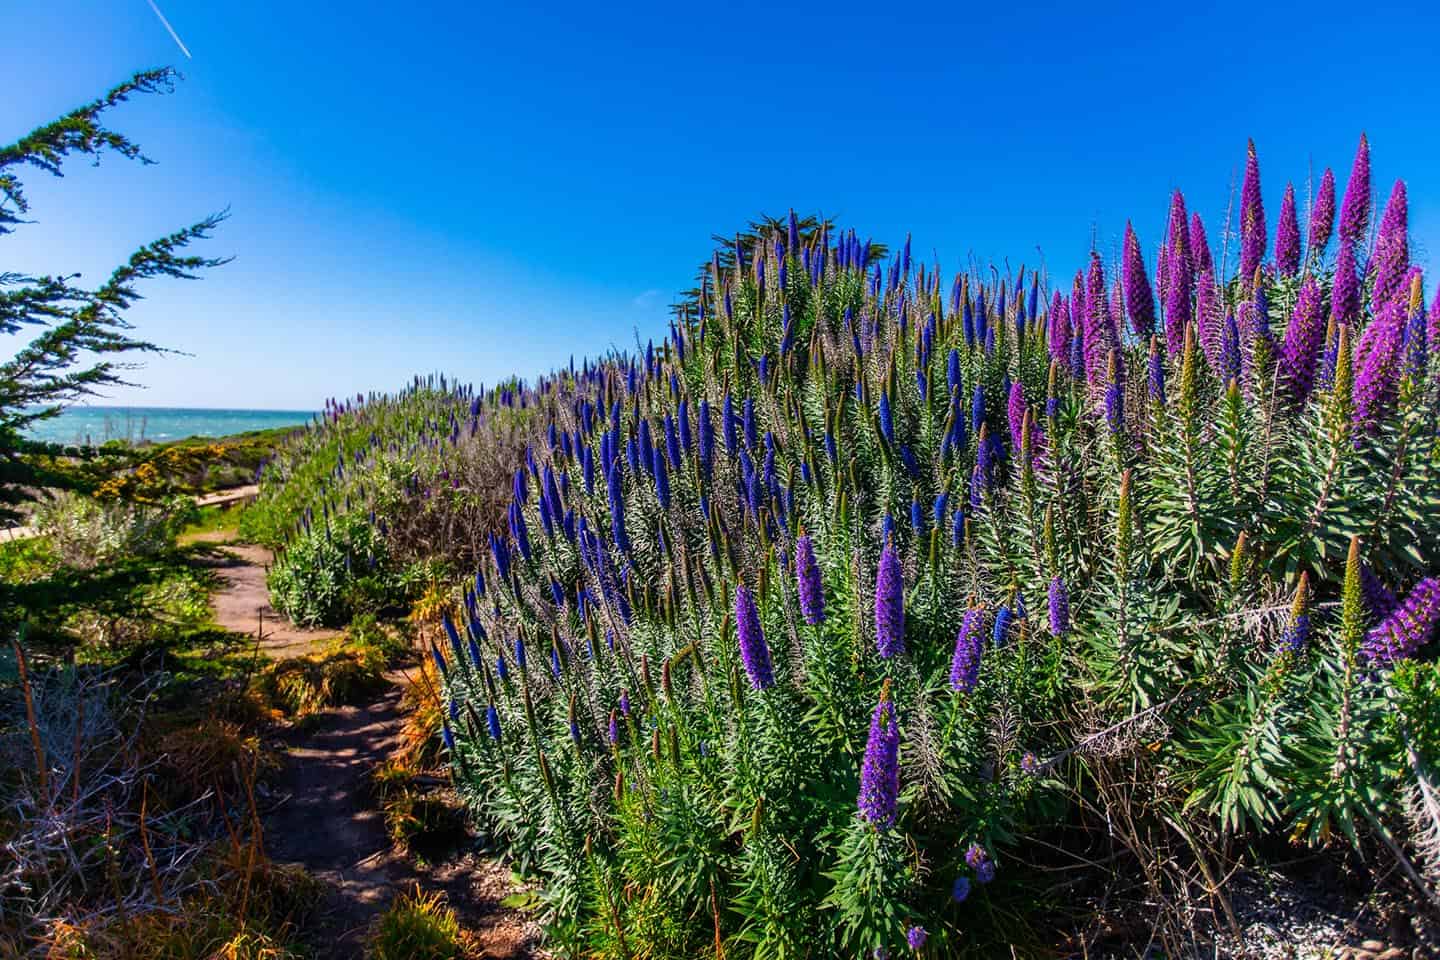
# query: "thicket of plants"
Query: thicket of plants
820,628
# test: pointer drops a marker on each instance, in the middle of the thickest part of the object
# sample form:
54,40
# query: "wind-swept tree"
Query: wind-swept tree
83,339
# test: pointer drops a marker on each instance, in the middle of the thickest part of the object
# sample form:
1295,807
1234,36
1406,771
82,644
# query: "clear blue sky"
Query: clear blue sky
484,188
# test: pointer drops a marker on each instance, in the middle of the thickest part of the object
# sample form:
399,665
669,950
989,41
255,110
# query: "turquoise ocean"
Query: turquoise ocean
96,425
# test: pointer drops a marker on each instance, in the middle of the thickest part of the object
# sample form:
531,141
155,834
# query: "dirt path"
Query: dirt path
323,815
325,820
242,604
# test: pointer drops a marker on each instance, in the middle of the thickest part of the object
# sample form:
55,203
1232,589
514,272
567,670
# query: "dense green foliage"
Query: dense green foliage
1143,589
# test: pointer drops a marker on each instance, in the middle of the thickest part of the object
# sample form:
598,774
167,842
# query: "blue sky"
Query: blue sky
483,189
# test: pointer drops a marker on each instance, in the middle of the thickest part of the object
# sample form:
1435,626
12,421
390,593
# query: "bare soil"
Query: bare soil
321,813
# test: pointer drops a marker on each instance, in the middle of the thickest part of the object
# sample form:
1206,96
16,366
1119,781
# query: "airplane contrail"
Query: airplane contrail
173,35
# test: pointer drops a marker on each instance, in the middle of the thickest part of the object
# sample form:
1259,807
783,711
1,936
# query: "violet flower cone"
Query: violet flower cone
1252,217
1015,413
1287,236
1378,377
1322,216
1100,336
1408,627
1200,246
1379,598
753,652
1058,324
1207,317
1432,329
1355,208
1392,251
969,646
889,604
1304,336
1059,599
1177,240
880,770
1179,309
1345,289
1139,301
808,581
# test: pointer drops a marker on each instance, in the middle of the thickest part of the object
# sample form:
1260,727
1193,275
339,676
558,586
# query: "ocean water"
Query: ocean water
96,425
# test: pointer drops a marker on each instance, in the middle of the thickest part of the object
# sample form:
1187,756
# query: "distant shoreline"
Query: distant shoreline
96,425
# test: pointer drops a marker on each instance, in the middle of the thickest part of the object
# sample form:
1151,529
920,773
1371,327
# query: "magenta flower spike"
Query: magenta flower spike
1100,336
1177,241
1378,366
1433,325
1392,251
1322,216
1287,236
1059,329
1179,308
1304,336
1015,413
1408,628
1355,209
1345,290
1139,301
1208,319
1200,246
889,604
1252,217
880,769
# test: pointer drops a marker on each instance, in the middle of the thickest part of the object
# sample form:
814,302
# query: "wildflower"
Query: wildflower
969,646
1322,216
520,653
1139,301
1178,305
979,860
1379,598
1059,608
1379,373
880,771
1355,208
960,890
492,722
1408,627
753,652
614,730
1004,617
1297,631
447,735
1392,251
501,669
439,659
1157,373
887,417
807,579
1287,236
1029,763
916,937
1252,217
1345,291
1199,247
1015,413
1303,337
889,603
625,703
1115,407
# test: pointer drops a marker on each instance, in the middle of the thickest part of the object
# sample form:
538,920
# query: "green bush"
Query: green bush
86,533
333,571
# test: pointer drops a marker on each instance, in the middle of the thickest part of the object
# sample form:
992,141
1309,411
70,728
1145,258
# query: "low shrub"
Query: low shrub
85,532
301,686
417,926
333,571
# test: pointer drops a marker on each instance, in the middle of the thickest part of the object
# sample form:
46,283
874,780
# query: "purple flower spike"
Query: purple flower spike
807,579
1207,317
1392,251
1200,246
960,891
1015,412
1100,336
1378,356
880,771
1179,307
1345,292
1304,337
1287,236
1059,608
753,651
889,604
969,647
1058,324
1408,628
1139,301
916,937
1379,598
1322,215
1355,209
1252,217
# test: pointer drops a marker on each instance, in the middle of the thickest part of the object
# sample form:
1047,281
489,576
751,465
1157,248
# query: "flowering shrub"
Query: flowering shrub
799,625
